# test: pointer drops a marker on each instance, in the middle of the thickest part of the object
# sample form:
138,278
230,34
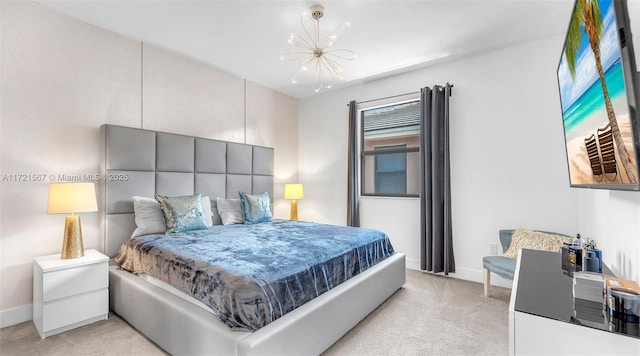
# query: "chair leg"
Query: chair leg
487,282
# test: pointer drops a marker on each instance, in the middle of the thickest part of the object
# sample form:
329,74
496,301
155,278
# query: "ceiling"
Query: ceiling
247,38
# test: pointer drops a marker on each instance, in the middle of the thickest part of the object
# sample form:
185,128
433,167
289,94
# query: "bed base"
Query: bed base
182,328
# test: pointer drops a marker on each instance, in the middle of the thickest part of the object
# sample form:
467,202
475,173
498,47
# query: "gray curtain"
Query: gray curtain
353,185
436,245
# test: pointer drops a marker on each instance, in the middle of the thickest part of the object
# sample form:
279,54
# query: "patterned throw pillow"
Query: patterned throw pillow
534,240
183,213
256,208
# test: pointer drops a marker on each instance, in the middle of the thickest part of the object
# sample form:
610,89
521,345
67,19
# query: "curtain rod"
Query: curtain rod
388,97
395,96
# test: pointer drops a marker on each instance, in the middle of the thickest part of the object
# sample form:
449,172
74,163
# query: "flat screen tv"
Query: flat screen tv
599,93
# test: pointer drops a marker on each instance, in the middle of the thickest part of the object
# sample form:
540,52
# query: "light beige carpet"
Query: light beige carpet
430,315
109,337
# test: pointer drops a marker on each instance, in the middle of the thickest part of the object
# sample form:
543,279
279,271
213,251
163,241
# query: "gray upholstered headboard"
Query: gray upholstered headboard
145,163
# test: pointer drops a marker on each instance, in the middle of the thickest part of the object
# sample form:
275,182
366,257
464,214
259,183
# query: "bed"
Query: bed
145,163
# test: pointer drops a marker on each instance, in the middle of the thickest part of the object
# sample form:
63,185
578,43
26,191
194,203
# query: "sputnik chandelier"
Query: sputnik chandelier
317,57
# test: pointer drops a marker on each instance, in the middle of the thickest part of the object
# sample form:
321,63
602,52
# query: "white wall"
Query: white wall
61,80
612,218
508,163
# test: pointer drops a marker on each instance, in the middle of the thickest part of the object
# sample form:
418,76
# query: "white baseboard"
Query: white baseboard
15,316
411,263
477,276
466,274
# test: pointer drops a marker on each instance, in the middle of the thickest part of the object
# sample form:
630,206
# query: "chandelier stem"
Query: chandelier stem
317,23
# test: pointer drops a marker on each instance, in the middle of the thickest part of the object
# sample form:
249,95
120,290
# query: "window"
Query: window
389,150
391,171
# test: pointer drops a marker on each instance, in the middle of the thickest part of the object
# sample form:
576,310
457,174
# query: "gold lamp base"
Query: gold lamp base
293,213
72,246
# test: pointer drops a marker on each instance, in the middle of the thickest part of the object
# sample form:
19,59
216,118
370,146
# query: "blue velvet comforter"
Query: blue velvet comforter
251,275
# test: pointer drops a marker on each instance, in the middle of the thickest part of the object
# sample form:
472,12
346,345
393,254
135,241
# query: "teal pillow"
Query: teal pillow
256,208
183,213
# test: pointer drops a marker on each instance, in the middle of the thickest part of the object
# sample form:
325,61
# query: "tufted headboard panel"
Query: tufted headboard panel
145,163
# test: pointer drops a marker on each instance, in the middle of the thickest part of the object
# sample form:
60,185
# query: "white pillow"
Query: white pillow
206,210
215,214
149,218
230,211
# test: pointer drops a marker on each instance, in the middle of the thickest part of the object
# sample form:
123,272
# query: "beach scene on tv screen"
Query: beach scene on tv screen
595,109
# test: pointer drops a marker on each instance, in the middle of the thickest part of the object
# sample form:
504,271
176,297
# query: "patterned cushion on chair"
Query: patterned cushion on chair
534,240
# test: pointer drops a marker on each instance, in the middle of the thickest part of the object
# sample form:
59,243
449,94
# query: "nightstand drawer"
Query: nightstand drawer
67,282
74,310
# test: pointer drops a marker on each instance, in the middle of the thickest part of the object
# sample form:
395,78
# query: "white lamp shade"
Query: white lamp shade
67,198
293,191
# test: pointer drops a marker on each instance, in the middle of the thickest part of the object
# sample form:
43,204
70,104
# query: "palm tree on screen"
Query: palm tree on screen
587,14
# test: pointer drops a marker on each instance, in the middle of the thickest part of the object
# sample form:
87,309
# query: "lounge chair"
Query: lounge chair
594,157
607,152
501,265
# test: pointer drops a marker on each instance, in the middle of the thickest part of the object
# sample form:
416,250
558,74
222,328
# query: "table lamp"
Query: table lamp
293,192
65,198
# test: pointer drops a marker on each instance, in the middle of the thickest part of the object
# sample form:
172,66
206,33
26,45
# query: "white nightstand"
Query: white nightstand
69,293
